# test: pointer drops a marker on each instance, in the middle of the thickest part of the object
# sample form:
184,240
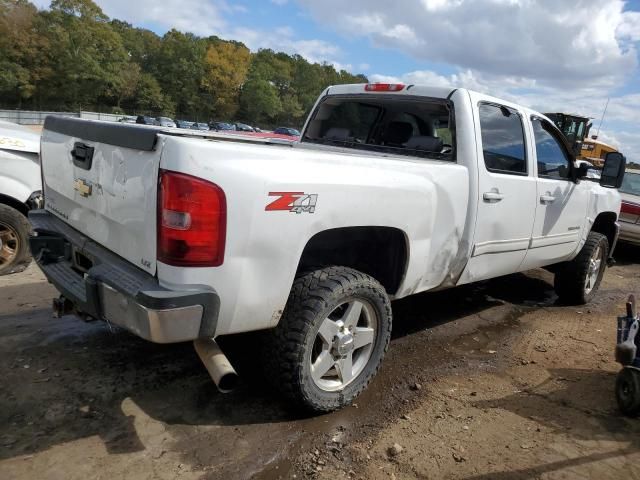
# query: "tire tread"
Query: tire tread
309,295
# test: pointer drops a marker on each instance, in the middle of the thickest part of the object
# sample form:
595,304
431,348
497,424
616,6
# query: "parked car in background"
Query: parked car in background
166,122
292,132
128,119
630,209
183,124
20,192
243,127
145,120
222,126
199,126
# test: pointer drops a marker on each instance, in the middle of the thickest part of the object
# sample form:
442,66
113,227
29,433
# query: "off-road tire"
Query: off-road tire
571,277
287,353
18,223
628,391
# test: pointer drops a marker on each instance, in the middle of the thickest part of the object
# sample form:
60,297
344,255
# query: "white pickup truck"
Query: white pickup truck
20,191
392,190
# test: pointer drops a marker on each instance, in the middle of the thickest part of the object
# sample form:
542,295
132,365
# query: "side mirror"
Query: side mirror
582,170
613,170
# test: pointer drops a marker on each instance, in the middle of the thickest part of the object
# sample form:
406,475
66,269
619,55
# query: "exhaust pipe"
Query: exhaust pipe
217,364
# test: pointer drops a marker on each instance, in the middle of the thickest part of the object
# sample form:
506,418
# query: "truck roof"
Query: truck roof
425,91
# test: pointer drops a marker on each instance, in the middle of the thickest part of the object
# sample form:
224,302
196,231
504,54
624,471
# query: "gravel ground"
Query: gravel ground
490,381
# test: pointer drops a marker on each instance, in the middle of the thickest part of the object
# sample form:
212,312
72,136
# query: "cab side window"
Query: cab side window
502,139
553,161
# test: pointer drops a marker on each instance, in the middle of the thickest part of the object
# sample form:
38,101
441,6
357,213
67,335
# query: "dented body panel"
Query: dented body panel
114,202
264,246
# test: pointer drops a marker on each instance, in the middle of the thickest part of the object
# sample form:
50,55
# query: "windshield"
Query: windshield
631,183
416,126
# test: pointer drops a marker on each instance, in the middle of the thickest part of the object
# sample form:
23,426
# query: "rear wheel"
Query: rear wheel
14,241
577,281
331,338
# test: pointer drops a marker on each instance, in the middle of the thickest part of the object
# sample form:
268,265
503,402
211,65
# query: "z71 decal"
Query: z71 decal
296,202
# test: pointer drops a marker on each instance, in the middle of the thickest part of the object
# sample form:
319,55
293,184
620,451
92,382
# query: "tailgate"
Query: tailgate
101,179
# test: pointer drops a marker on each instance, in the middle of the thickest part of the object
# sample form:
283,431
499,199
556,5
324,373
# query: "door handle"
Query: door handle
492,196
547,199
82,155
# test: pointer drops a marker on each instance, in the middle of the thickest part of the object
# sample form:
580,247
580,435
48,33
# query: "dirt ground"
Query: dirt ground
490,381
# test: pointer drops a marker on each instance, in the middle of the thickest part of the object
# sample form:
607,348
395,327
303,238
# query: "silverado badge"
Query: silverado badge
82,187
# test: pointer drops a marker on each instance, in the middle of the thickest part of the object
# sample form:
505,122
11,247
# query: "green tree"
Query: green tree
260,102
23,51
125,85
150,99
141,45
179,68
226,67
87,55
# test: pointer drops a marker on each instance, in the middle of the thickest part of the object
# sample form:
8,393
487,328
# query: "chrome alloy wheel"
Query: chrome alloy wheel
595,262
343,345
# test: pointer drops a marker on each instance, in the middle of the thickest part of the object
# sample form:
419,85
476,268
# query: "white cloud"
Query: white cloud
557,43
630,26
283,39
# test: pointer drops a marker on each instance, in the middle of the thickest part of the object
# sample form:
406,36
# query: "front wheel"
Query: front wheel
331,338
14,241
576,282
628,391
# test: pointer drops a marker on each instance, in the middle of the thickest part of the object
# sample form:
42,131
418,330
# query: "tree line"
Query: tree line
74,57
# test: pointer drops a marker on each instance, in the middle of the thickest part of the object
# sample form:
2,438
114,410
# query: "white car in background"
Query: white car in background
630,210
20,191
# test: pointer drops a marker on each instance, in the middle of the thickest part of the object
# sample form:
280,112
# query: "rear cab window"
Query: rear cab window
413,126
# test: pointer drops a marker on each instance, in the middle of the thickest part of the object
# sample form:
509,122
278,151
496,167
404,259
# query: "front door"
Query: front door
506,195
562,204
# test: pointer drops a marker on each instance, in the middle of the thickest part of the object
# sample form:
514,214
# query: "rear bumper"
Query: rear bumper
103,285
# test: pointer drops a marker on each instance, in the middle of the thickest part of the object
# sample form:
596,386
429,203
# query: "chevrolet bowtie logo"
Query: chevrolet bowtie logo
82,187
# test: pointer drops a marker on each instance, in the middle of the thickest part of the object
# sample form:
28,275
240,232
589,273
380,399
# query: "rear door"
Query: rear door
561,203
507,191
102,180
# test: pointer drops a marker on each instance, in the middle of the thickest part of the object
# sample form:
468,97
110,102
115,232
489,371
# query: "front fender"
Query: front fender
19,175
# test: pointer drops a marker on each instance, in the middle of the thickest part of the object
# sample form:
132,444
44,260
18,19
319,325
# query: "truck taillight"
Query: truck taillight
630,208
384,87
192,221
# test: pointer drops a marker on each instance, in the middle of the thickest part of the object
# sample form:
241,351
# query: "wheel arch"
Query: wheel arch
382,252
605,223
15,204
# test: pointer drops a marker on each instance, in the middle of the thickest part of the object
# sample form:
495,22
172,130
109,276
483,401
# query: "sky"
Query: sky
551,55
